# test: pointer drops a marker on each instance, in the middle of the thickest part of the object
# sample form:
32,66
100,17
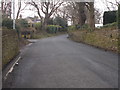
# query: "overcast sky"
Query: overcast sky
99,4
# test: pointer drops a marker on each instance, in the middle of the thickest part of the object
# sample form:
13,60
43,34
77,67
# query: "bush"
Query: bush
77,27
22,23
109,17
53,28
85,26
7,22
72,27
61,22
38,26
110,25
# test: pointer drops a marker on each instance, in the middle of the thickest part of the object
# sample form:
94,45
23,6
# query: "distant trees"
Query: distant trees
53,23
47,8
7,22
75,11
20,24
20,8
111,5
61,22
6,9
80,12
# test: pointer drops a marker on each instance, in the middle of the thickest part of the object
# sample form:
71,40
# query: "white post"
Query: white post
13,14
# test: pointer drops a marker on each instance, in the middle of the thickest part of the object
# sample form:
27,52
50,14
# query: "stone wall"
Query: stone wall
10,46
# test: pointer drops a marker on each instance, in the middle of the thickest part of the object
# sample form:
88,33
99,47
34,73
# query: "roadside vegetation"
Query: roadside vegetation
105,37
14,40
11,41
56,26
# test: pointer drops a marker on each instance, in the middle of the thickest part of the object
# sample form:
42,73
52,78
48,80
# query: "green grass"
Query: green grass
103,38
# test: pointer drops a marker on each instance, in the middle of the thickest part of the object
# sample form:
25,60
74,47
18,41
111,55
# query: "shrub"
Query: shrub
85,26
23,23
72,27
7,22
109,17
110,25
61,22
53,28
38,26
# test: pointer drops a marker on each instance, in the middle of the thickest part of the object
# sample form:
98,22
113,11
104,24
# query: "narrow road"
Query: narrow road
58,62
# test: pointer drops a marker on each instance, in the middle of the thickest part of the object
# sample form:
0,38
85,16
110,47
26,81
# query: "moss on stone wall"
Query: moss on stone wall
10,46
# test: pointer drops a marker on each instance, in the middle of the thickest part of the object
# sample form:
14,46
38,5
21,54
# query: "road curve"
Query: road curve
58,62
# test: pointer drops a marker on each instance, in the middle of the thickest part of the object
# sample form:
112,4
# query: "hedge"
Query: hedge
53,28
109,17
7,22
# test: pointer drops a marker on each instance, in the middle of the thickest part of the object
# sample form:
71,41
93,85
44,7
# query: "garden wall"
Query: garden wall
10,46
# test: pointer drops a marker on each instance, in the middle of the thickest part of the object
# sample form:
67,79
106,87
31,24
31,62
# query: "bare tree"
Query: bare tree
76,12
20,8
71,12
6,9
98,16
111,5
46,8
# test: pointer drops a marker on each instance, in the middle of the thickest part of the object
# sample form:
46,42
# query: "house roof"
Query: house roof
32,20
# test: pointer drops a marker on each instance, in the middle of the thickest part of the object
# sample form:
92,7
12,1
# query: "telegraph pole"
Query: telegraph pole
14,14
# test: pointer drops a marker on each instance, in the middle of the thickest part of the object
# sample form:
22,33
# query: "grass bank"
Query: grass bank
105,38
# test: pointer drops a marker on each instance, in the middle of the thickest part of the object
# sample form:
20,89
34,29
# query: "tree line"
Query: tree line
78,13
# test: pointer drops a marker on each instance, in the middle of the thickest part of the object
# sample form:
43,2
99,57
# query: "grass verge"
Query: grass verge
104,38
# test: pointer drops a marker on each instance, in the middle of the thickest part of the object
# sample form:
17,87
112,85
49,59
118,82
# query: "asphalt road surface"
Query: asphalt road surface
58,62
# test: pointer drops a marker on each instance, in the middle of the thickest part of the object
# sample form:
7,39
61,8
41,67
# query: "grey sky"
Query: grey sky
99,4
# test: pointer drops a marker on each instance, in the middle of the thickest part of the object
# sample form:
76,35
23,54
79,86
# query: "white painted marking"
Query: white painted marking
29,44
11,69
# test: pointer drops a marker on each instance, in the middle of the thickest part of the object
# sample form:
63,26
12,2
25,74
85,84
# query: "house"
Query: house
32,20
27,32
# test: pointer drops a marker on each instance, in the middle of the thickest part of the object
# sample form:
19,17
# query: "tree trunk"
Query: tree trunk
91,16
45,23
81,13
